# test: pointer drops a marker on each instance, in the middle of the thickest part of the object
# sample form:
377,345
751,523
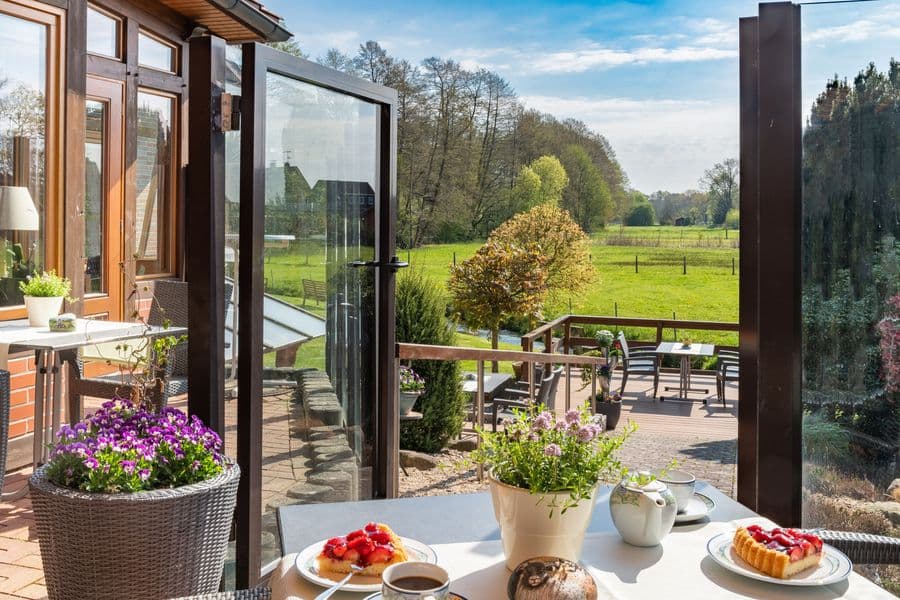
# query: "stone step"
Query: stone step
308,492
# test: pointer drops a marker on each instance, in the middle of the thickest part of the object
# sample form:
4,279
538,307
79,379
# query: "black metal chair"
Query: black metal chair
545,394
641,360
864,548
258,593
728,368
4,421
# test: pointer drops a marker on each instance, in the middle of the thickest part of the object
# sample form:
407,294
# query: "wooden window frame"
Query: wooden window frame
175,63
120,32
54,137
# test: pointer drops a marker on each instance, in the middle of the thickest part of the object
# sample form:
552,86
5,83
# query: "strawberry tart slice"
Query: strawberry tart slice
375,547
778,552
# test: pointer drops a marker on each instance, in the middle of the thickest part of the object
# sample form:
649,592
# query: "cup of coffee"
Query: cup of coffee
682,485
415,581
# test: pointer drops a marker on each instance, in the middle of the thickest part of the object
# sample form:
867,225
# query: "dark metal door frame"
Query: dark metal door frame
258,61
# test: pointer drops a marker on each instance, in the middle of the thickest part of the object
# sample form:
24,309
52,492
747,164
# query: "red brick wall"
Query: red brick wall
21,411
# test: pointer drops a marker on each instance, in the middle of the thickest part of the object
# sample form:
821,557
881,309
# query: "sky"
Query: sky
657,78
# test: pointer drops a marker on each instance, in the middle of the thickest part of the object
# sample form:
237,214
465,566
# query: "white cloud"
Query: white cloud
661,144
594,56
857,31
342,39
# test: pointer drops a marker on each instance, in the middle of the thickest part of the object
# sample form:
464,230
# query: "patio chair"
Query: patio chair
258,593
4,421
641,360
546,395
170,303
728,368
864,548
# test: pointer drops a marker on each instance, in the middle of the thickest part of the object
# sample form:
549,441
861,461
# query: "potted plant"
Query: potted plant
411,387
134,504
544,473
610,405
44,295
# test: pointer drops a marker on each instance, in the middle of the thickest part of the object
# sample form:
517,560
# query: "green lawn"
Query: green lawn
708,292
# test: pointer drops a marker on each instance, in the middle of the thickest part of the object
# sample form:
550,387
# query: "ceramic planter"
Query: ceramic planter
612,411
407,401
40,309
643,515
164,543
527,530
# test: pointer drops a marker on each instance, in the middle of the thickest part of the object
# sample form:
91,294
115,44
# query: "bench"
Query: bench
315,290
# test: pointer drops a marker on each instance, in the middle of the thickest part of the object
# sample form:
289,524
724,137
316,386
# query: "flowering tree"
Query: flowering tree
501,280
889,329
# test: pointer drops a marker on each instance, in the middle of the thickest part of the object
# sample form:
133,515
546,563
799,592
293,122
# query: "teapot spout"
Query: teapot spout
653,524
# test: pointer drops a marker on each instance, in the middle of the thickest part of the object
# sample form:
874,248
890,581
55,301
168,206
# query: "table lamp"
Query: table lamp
17,213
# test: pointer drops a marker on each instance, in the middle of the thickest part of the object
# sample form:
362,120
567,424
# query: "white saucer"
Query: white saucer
698,507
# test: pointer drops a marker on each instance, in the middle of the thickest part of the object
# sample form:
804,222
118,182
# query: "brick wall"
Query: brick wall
21,410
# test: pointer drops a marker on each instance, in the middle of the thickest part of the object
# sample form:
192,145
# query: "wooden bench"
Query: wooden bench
315,290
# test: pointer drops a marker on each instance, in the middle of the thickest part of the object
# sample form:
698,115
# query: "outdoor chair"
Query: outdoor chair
170,304
259,593
4,421
639,361
727,369
864,548
546,395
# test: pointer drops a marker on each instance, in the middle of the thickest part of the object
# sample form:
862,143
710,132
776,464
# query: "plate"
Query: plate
698,507
308,568
834,567
378,596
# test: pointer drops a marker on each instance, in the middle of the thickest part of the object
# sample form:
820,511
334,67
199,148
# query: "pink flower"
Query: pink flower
552,450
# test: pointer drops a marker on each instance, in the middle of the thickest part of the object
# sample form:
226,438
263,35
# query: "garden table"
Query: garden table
18,336
685,354
464,534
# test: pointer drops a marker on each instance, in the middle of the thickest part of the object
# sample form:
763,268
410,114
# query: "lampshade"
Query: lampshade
17,210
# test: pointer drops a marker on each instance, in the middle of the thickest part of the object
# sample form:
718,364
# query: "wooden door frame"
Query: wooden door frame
111,93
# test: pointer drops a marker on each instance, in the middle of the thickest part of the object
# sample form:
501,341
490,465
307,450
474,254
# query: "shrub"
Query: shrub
824,440
46,285
641,215
421,310
733,219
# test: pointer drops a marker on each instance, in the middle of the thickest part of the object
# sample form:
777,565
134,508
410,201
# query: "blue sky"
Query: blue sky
658,78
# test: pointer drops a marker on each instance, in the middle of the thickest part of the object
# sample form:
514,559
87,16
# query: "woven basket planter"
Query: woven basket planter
156,544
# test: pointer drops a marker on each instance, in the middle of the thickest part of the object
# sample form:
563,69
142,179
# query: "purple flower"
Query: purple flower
573,416
552,450
144,474
90,463
127,466
586,433
540,423
533,437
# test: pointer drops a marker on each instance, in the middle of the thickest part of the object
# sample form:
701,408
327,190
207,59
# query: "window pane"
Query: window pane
23,79
154,185
154,54
94,193
102,33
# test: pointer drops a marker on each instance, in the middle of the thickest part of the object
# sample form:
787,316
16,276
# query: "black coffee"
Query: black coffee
416,584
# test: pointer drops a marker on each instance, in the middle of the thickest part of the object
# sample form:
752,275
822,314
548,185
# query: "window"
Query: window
154,220
103,32
23,165
155,54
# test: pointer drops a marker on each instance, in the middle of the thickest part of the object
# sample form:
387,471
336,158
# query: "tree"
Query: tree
587,196
335,59
721,185
499,281
563,245
541,182
641,215
290,46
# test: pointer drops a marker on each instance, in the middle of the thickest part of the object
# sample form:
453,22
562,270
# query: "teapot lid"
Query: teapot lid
654,485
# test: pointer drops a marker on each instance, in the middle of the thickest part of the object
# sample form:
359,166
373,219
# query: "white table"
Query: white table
679,568
17,336
685,354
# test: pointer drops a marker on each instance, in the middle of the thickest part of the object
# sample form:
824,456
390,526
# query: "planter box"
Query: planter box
157,544
612,410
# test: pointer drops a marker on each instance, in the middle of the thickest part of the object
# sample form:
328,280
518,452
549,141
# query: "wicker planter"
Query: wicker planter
157,544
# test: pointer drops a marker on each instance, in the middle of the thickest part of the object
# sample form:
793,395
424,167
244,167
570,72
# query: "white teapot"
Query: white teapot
643,514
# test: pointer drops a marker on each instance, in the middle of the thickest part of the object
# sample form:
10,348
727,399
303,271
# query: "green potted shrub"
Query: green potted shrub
44,295
134,504
544,474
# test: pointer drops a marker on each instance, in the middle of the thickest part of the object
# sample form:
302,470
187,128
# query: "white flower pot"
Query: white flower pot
407,401
527,530
41,309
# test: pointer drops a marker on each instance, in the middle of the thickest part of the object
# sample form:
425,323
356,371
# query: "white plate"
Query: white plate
698,507
378,596
834,567
307,566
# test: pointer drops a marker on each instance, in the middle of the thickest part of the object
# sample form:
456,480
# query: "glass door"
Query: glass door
103,200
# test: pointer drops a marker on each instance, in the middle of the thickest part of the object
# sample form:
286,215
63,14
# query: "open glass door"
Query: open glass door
317,204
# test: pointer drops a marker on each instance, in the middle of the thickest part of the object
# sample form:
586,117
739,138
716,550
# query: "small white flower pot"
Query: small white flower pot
407,401
527,530
41,309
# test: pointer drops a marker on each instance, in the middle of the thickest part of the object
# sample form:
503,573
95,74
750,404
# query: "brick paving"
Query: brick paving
706,450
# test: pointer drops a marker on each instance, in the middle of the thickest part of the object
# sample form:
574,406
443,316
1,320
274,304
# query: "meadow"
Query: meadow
659,289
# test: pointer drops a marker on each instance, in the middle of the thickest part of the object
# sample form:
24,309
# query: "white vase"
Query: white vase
527,530
41,309
407,401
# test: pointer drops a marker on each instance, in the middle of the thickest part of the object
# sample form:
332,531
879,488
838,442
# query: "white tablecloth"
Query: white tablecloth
679,568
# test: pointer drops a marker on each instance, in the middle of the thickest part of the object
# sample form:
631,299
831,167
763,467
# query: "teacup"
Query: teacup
415,581
682,485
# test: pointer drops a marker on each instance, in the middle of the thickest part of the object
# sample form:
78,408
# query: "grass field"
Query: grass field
659,288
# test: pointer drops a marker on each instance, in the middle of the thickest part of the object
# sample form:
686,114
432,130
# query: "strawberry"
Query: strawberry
784,540
381,554
813,539
754,528
355,534
357,542
796,553
807,546
761,537
334,541
380,537
352,556
371,527
339,550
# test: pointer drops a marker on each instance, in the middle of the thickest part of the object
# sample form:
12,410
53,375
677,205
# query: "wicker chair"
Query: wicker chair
546,395
639,361
170,303
4,421
259,593
864,548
